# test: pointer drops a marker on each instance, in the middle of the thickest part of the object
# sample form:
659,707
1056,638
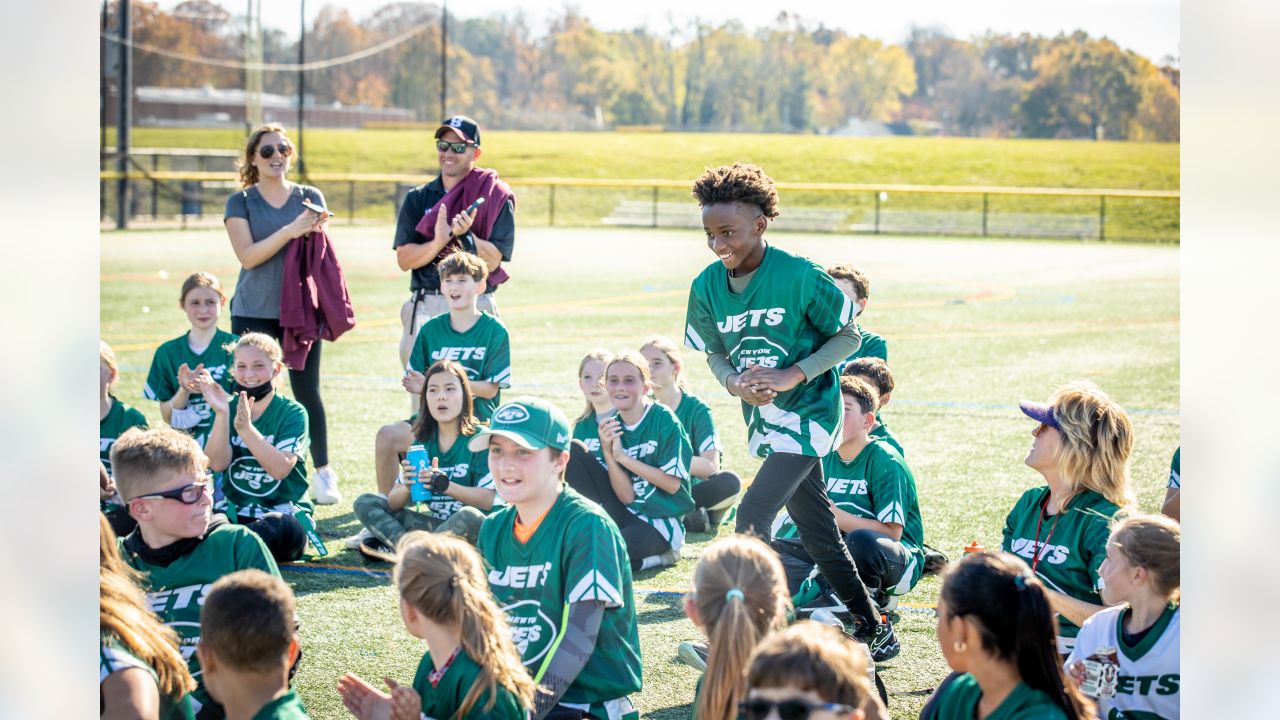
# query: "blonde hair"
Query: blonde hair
139,456
1097,438
443,578
604,357
262,341
201,280
107,357
813,657
463,263
740,590
244,165
668,348
1153,542
123,613
631,357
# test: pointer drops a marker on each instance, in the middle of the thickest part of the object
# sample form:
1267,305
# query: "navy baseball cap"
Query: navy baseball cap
466,127
529,422
1040,412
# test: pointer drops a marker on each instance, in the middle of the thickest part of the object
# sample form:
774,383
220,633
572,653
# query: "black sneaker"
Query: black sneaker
880,640
376,550
934,560
697,521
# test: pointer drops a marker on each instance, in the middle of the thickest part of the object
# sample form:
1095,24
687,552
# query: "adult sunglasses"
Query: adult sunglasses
266,151
457,147
187,494
759,708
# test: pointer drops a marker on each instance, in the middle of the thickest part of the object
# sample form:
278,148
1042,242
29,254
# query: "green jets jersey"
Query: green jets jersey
882,432
247,486
484,350
658,440
1175,470
789,309
113,656
463,467
176,591
1149,680
576,554
119,418
1071,546
443,699
695,418
876,485
162,380
958,700
286,707
588,431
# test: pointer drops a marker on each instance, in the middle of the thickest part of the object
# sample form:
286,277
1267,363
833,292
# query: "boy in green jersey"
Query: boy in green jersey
248,643
115,418
179,546
558,568
876,372
774,326
873,495
475,339
855,284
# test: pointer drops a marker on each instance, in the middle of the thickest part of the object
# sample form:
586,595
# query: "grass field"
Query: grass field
973,327
794,158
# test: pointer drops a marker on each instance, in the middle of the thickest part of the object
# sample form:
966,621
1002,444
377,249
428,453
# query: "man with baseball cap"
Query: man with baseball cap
465,208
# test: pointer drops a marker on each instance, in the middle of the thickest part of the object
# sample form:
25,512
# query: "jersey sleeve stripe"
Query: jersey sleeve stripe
693,340
892,514
595,586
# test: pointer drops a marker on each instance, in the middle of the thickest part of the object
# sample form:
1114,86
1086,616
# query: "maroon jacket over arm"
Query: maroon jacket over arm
314,302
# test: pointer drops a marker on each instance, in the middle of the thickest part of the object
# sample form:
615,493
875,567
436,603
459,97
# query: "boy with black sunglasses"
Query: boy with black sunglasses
441,217
810,671
179,546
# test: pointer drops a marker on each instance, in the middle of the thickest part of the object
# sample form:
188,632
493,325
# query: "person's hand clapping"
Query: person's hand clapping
216,397
442,222
462,222
244,414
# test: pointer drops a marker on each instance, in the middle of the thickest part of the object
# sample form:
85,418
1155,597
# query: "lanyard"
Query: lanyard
435,676
1035,559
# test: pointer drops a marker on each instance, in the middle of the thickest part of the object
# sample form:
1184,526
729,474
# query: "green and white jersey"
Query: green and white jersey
658,440
113,657
882,432
576,554
1175,470
286,707
119,418
162,379
484,350
872,346
588,431
1150,679
788,310
176,591
463,467
443,699
1071,546
958,700
876,485
247,486
695,418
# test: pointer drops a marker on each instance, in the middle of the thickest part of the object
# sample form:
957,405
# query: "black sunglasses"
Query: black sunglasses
266,151
457,147
187,494
759,708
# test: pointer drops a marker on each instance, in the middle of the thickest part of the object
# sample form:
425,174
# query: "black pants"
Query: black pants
881,561
716,489
305,384
282,534
796,482
591,480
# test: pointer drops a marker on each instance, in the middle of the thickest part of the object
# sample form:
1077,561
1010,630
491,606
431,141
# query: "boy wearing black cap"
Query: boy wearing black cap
442,217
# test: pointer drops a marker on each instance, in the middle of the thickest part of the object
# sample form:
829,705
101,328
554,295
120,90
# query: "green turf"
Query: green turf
793,158
972,326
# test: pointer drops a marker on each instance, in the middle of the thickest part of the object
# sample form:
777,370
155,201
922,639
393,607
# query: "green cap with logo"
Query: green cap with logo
530,422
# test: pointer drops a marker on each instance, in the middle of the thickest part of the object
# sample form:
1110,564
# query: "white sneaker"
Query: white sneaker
353,542
324,487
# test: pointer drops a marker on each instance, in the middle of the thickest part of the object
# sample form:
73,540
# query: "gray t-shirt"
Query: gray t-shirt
258,289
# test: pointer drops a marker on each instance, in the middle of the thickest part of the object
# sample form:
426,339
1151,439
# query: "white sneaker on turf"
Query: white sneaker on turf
353,542
324,487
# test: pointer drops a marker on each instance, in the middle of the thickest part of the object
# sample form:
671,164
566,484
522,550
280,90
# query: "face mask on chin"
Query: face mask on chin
255,393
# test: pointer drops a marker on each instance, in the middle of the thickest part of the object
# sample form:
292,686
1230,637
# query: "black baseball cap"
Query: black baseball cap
463,125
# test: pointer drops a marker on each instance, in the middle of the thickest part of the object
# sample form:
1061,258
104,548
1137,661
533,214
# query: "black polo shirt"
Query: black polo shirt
417,203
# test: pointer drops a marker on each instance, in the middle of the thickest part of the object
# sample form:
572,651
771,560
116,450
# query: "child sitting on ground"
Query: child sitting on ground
115,418
179,546
857,287
810,670
876,372
248,643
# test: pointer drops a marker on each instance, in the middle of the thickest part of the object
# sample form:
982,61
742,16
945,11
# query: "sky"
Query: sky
1150,27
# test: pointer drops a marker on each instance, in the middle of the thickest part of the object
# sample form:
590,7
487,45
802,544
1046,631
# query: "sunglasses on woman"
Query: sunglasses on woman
457,147
795,709
187,494
266,151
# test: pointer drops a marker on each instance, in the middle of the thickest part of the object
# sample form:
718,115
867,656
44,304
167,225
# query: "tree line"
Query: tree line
794,75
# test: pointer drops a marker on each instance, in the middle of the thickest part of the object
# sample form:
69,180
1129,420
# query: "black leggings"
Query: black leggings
590,479
305,384
795,481
716,489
